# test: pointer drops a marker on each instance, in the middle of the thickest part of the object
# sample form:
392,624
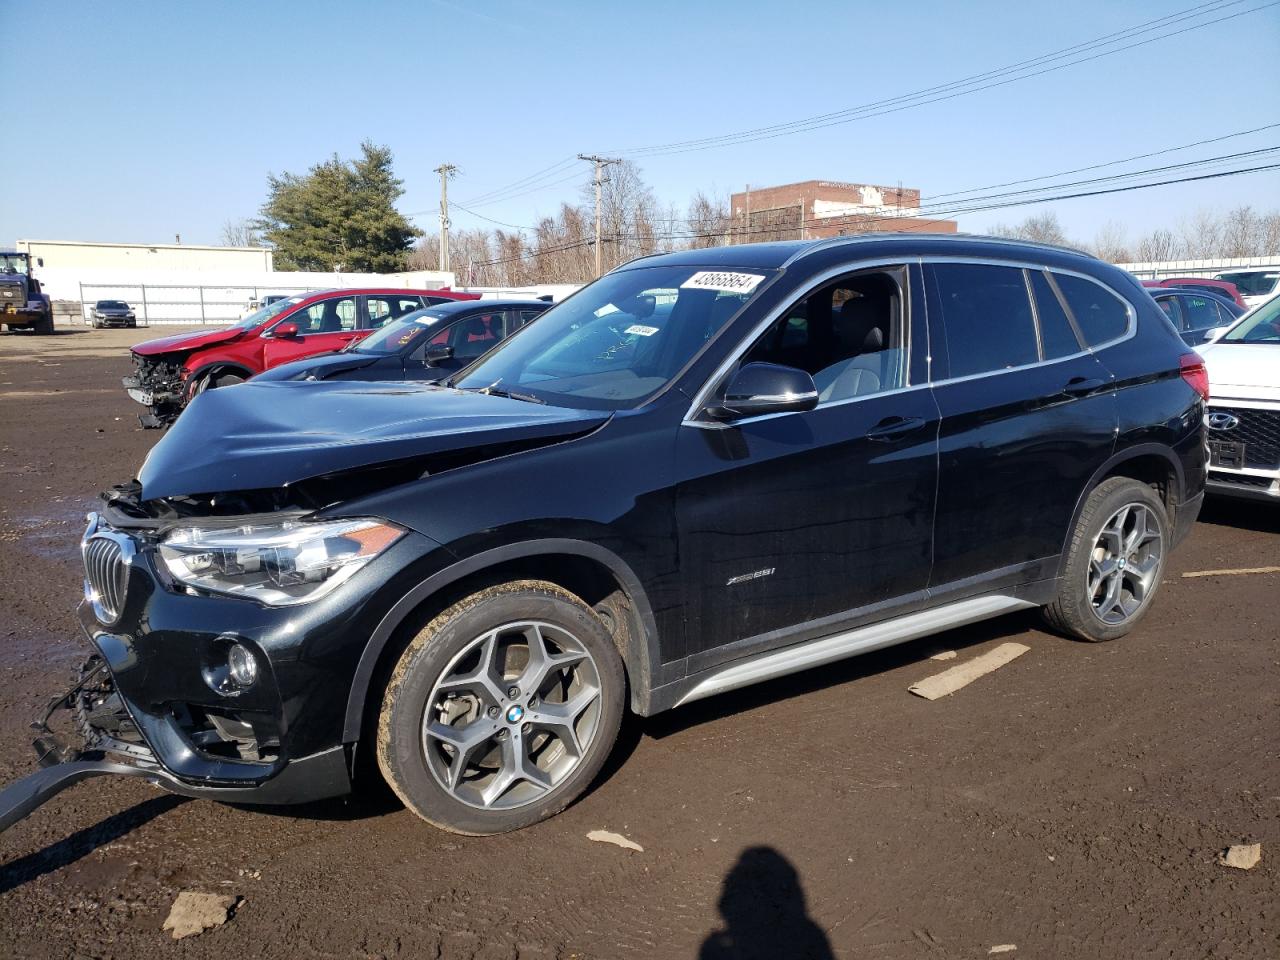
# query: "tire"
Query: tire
1114,562
506,760
95,324
44,325
212,381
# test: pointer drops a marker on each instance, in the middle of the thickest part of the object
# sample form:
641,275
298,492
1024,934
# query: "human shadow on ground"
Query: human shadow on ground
764,913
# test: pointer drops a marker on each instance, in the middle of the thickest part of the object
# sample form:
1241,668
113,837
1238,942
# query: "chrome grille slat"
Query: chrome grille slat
106,568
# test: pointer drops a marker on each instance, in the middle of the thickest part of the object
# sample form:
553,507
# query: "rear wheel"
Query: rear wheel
45,324
501,710
1114,562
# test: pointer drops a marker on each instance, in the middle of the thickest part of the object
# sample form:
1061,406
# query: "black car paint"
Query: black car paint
670,510
405,363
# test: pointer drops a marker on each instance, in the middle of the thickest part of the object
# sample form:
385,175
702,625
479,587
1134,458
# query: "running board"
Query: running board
21,798
815,653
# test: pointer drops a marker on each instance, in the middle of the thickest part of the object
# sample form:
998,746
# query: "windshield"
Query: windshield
112,305
1252,284
266,313
398,334
619,340
13,263
1260,326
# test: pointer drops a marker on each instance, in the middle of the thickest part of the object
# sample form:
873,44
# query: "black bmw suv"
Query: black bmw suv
703,470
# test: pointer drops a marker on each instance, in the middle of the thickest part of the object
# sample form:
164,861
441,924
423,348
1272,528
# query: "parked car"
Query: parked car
266,300
112,313
169,371
1195,312
1257,286
704,470
1244,409
427,344
1220,287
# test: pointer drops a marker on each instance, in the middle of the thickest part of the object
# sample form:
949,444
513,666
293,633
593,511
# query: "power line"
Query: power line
974,205
951,90
538,181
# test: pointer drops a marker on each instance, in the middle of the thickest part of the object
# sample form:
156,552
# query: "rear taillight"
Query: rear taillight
1191,366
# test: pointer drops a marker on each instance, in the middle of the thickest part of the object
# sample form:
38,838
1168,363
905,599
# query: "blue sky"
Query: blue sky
143,120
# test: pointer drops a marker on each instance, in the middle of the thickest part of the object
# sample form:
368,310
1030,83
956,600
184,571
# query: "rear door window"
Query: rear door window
1099,313
986,313
1201,313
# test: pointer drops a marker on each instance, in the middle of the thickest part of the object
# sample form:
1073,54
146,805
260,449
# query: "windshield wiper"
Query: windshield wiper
514,395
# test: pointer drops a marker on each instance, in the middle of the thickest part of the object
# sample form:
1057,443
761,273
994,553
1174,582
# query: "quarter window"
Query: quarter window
848,335
1056,336
1100,314
986,313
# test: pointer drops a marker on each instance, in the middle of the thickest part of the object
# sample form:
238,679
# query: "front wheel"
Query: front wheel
501,710
1114,562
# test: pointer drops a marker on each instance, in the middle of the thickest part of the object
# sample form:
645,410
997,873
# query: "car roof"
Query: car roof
1191,292
776,255
466,306
367,290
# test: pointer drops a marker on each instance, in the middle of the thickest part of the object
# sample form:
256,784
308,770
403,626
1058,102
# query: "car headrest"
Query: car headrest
858,325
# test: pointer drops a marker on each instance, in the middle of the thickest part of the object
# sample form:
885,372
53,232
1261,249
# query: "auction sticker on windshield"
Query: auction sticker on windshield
641,330
721,280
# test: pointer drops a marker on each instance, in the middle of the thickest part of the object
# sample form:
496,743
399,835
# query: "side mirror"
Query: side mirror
437,353
287,329
761,388
1215,333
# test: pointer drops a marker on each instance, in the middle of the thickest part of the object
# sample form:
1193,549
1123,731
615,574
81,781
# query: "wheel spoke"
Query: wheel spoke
465,740
516,767
1138,535
484,679
560,719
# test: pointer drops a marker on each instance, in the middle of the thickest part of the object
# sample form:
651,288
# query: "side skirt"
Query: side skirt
815,653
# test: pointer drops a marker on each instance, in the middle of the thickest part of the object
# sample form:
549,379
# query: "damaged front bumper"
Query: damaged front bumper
89,731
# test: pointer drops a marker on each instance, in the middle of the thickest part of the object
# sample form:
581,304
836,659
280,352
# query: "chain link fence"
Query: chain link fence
186,304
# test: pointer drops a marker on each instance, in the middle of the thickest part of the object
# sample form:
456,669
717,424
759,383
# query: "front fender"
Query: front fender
640,658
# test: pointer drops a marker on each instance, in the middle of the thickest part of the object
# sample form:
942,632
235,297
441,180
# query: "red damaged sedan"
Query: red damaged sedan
169,371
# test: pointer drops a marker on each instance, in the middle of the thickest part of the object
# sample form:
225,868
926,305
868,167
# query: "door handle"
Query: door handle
890,428
1083,386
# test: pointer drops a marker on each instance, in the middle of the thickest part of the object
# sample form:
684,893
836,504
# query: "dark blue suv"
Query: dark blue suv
703,470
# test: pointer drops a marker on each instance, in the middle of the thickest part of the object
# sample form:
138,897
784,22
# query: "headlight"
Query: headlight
276,564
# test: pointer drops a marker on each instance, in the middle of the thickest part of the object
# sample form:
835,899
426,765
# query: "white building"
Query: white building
181,283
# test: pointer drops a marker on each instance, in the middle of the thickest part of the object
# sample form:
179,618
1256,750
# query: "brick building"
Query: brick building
822,208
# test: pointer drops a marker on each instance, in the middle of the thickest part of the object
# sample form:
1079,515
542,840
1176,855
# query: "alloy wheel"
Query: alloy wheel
1125,564
512,715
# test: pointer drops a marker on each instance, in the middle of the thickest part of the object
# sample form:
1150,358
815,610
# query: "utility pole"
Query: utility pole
446,170
601,163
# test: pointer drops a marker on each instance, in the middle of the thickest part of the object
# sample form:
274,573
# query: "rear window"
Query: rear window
987,316
1099,313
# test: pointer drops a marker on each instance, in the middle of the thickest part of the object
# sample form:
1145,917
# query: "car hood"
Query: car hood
187,341
1243,371
257,436
320,366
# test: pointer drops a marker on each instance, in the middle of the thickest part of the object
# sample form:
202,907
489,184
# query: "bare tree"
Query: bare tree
708,221
1157,245
1111,244
240,233
1040,228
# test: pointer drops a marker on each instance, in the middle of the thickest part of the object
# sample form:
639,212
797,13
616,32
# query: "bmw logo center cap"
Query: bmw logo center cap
515,713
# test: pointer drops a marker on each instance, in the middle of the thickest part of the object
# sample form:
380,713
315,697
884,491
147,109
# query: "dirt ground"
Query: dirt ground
1072,804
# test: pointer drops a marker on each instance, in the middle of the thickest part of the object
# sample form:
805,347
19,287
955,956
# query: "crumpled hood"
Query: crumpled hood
186,341
257,436
1243,371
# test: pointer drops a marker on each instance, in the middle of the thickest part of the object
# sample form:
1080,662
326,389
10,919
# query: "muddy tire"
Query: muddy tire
1114,562
44,325
501,710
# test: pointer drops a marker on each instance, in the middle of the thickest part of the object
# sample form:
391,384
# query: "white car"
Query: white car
1244,405
1256,286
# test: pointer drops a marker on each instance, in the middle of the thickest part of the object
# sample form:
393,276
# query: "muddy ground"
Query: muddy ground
1072,804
